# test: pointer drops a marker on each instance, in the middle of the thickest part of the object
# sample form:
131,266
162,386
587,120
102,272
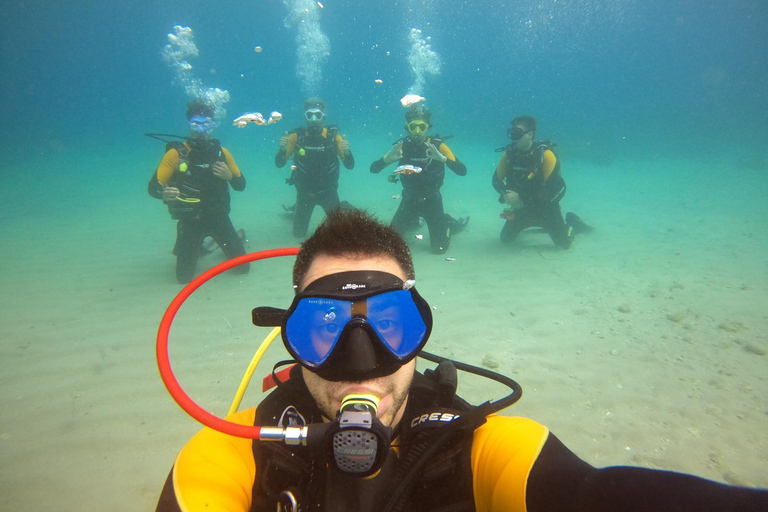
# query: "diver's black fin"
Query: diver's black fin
578,225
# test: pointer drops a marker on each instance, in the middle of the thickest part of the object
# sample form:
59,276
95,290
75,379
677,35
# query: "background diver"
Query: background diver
193,179
316,151
421,196
528,179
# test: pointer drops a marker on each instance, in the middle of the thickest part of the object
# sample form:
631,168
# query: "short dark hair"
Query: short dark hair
419,112
528,121
199,108
314,102
352,233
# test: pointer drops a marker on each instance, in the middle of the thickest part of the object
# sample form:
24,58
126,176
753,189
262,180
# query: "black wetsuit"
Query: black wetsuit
535,176
316,155
209,217
498,464
421,191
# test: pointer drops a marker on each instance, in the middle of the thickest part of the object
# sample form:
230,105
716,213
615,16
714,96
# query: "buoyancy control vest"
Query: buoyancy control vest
428,467
525,175
195,179
432,176
316,158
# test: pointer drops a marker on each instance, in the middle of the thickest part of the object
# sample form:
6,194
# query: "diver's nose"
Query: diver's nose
357,351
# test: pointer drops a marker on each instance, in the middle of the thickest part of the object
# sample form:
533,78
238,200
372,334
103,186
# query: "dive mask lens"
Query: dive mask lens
516,133
201,125
417,127
315,326
314,114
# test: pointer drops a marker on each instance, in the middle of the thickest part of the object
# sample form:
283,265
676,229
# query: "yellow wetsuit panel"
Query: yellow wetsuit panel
230,161
446,151
503,452
549,164
215,472
168,166
170,163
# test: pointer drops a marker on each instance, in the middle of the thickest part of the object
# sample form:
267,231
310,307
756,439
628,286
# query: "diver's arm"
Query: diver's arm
395,154
451,161
167,167
553,186
214,471
284,153
349,160
342,149
559,480
237,181
552,191
457,166
378,166
154,188
498,177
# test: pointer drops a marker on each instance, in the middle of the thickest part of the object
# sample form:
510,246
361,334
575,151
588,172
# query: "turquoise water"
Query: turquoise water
647,334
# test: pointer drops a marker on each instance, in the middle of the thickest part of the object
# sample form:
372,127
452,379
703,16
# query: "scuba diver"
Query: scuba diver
316,151
421,169
193,180
528,179
362,430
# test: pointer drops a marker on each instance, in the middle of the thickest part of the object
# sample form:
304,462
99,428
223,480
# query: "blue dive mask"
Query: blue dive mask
356,325
201,125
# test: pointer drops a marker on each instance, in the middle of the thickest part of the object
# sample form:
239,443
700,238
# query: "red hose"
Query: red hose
164,364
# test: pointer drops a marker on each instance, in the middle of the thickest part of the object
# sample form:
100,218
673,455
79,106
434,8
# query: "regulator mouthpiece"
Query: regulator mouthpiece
359,440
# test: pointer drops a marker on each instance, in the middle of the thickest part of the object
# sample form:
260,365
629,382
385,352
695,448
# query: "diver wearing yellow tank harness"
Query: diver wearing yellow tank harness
387,438
193,180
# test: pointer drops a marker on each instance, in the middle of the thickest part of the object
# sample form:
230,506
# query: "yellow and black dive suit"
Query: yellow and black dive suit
493,464
535,176
421,191
189,167
316,155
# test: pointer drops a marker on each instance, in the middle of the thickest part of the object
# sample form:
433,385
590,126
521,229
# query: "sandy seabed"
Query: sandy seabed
645,344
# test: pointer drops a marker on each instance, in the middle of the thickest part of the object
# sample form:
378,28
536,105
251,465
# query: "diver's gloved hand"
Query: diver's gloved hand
170,194
435,154
221,170
394,154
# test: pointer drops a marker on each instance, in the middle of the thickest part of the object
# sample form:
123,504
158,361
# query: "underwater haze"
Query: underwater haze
631,77
645,343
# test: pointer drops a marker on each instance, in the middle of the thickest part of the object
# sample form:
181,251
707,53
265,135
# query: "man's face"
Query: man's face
525,140
391,389
314,117
200,126
526,137
417,129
